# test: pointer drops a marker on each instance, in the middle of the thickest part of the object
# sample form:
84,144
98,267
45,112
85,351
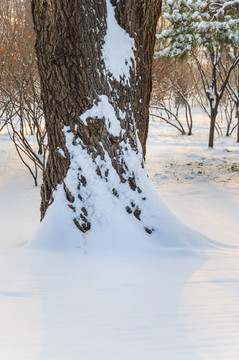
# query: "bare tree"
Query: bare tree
215,85
172,93
21,111
233,92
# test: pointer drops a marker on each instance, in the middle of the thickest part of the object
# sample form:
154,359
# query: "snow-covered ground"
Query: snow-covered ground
200,185
171,305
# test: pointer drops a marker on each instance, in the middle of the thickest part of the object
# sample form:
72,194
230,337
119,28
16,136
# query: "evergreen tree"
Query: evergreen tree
204,27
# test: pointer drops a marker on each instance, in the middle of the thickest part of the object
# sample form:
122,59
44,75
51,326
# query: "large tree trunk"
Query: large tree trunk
95,61
96,84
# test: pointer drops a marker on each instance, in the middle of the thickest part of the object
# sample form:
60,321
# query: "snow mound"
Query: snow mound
114,230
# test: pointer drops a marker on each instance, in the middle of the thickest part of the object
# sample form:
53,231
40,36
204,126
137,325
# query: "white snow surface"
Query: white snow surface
118,49
134,300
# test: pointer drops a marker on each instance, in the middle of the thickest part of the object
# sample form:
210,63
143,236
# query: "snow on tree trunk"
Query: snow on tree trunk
94,61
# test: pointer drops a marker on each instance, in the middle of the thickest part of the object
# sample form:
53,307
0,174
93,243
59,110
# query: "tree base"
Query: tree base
114,229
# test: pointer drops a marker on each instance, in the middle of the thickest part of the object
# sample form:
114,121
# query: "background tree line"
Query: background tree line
21,113
178,85
207,33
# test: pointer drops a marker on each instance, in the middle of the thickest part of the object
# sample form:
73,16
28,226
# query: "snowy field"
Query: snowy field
171,305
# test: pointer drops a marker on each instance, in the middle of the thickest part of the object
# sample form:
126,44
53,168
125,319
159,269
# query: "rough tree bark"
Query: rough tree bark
85,101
